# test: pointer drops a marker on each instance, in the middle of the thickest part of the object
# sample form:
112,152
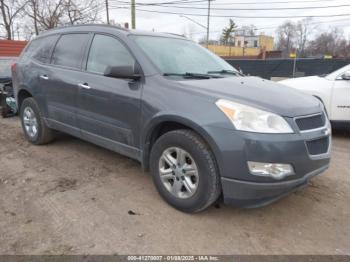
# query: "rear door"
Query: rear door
32,66
109,108
62,81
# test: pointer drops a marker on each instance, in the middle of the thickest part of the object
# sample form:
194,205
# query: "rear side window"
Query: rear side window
40,49
69,50
30,50
107,51
43,53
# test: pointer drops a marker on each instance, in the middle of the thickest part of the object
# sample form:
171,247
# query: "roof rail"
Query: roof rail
83,25
174,34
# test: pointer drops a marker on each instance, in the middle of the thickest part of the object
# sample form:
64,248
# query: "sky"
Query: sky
177,23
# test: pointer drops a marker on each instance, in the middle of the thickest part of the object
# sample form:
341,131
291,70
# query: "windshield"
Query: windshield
5,67
180,56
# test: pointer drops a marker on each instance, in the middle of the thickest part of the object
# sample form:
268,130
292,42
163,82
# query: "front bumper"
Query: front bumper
252,194
235,148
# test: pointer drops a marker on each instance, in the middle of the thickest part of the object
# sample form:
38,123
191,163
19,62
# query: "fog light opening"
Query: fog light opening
273,170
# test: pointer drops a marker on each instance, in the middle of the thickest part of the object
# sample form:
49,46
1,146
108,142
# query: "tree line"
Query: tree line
307,39
25,18
29,17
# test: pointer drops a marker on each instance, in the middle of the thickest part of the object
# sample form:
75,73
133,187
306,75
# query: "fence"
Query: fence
284,67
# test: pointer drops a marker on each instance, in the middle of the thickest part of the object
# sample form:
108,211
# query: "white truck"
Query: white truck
333,90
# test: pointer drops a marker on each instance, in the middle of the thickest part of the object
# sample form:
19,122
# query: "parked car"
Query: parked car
333,90
7,101
202,128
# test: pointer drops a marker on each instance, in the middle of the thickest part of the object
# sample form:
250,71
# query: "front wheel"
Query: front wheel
184,171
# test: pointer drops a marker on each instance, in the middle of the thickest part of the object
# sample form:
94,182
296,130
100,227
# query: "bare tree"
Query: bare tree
47,14
332,43
286,37
247,30
79,11
9,10
304,31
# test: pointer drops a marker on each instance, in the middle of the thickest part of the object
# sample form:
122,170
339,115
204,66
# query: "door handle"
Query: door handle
85,86
44,77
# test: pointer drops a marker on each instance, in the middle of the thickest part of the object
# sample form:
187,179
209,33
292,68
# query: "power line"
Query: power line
276,26
235,16
163,3
257,9
237,3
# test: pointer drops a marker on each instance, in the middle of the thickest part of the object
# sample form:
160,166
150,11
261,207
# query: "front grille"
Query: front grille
318,146
311,122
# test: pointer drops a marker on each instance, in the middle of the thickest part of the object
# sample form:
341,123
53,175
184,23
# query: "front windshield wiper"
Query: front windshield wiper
190,75
224,71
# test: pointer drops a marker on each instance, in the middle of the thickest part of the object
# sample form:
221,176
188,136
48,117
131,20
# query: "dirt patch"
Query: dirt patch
71,197
64,184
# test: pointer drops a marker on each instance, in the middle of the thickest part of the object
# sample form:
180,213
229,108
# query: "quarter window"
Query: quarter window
107,51
43,52
69,50
30,50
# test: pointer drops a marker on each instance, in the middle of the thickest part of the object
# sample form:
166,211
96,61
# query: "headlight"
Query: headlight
251,119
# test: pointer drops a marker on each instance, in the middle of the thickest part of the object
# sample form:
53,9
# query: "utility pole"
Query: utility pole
133,22
208,22
295,63
107,11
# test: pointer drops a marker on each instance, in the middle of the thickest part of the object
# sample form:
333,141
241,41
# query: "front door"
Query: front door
341,99
109,108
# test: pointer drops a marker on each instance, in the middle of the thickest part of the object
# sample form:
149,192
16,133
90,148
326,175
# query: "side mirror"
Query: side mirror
125,72
346,75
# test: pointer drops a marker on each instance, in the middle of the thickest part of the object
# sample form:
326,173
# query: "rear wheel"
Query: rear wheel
184,171
35,129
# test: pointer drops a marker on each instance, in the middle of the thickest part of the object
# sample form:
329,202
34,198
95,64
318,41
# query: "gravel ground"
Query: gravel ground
71,197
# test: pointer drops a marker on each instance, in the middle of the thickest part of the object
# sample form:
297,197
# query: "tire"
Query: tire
44,134
3,106
197,154
4,111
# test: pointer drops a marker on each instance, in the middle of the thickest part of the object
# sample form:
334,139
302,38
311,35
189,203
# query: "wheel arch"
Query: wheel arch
324,105
165,123
21,95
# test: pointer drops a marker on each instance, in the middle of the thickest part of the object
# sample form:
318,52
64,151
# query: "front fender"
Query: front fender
161,118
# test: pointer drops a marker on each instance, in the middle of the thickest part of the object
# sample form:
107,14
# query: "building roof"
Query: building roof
11,48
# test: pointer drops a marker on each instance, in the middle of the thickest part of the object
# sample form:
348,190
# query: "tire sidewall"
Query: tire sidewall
30,102
205,168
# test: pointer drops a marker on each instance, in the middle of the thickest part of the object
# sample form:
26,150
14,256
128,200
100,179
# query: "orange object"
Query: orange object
11,47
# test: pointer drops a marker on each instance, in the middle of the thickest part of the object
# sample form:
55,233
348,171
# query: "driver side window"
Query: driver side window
107,51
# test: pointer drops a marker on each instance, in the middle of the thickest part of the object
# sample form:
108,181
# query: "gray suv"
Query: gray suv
202,128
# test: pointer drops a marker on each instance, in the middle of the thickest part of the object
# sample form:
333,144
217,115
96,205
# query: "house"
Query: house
244,46
258,41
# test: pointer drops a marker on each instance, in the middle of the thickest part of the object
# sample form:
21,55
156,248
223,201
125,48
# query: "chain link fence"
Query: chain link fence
284,67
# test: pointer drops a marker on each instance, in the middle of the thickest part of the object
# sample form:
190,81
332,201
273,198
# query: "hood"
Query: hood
303,82
260,93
